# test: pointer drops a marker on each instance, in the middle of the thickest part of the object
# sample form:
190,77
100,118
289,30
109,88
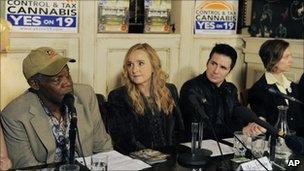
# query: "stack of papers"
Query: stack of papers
117,161
212,146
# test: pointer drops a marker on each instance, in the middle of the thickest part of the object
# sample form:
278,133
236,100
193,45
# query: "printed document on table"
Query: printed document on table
117,161
230,140
212,146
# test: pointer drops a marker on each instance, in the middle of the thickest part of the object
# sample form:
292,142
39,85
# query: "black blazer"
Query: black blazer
301,88
129,130
265,104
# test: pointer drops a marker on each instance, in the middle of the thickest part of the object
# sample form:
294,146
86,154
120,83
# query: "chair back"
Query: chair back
244,97
102,104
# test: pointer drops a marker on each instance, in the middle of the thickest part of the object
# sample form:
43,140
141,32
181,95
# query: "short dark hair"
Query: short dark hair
271,52
37,77
226,50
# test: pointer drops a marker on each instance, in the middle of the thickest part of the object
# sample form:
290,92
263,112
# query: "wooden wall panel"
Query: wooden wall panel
12,81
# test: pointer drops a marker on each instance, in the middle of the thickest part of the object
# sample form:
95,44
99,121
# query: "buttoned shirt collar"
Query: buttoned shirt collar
282,86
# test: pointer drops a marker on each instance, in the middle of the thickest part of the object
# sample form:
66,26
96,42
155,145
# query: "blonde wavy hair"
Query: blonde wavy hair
158,91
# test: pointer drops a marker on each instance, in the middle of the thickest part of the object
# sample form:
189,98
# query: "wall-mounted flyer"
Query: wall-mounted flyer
53,16
218,17
157,16
113,16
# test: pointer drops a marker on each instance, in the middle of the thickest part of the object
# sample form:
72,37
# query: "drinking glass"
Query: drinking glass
239,149
99,162
258,145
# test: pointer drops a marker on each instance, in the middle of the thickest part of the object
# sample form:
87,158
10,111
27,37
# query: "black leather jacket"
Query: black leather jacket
218,103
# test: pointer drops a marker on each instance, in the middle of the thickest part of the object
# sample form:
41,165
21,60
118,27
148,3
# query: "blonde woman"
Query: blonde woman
144,112
5,162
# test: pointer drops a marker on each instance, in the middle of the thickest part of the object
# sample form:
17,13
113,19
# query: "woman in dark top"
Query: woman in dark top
277,59
301,88
144,112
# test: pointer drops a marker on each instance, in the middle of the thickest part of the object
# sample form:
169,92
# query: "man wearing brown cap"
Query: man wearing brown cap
36,124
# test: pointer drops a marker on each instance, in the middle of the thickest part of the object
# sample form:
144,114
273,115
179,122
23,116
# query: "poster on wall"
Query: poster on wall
113,16
279,19
157,16
218,17
52,16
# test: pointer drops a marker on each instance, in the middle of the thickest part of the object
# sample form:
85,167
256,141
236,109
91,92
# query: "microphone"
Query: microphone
68,100
193,99
285,96
250,116
293,142
198,156
200,100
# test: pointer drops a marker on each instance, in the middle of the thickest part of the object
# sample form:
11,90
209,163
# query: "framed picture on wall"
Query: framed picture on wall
157,16
113,16
277,18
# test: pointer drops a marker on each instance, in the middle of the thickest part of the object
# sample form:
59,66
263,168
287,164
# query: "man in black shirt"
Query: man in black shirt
216,97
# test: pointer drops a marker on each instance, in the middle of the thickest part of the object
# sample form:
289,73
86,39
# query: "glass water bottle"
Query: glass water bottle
282,152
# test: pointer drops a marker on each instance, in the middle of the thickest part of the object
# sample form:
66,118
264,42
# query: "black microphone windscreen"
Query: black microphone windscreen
250,116
68,99
282,95
194,100
245,113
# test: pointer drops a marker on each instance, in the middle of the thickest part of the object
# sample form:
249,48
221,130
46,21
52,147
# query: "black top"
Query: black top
265,104
131,131
155,122
301,88
218,103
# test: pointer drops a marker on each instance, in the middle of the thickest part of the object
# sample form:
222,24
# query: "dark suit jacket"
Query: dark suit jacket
301,88
265,104
129,130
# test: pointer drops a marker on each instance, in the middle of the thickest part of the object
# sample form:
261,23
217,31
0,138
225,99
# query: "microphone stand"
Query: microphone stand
272,147
72,138
206,118
198,156
68,103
